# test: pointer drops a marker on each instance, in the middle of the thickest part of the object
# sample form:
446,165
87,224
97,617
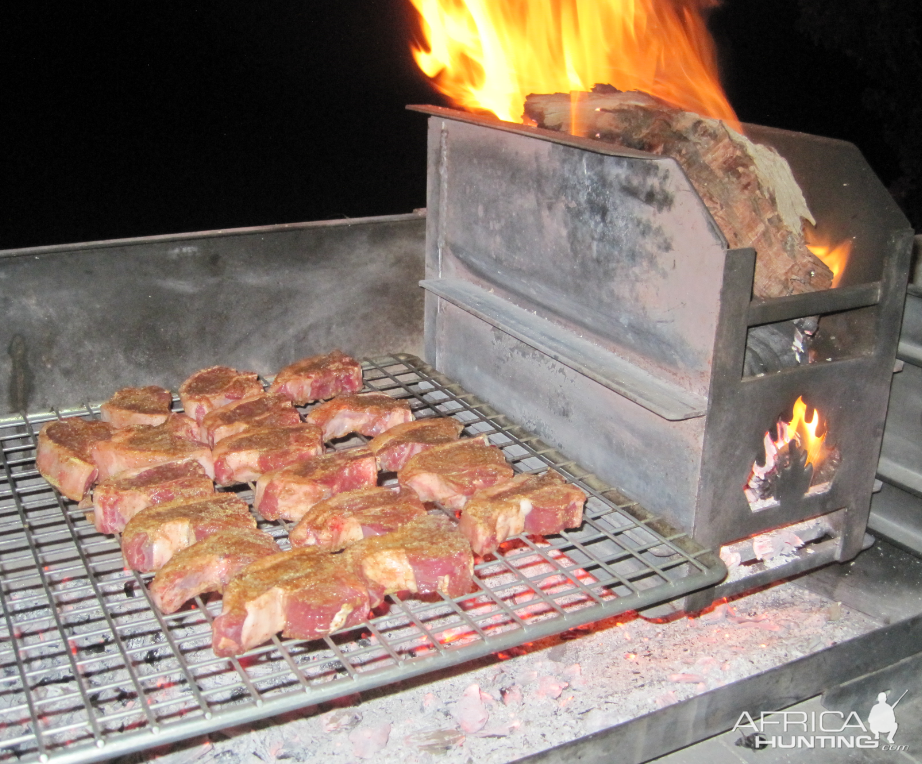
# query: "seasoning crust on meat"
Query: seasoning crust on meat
214,387
116,500
137,405
451,473
135,447
353,515
368,414
428,554
303,593
244,457
534,504
394,447
64,455
291,491
318,378
208,565
254,411
155,534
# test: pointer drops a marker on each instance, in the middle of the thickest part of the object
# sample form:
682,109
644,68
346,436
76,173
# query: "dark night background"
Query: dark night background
133,119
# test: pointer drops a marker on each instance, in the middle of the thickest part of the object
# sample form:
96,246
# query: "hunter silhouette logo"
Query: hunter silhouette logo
882,720
824,729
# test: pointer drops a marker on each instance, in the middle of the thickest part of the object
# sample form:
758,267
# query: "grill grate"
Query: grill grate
90,670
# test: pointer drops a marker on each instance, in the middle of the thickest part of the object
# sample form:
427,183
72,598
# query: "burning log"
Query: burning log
747,187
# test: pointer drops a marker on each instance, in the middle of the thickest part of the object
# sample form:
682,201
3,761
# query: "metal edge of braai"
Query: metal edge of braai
79,321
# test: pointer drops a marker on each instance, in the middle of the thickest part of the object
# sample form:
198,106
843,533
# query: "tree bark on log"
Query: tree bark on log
747,187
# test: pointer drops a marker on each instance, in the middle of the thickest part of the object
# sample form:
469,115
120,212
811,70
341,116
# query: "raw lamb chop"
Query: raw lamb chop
539,504
289,492
318,378
394,447
137,405
425,555
244,457
208,565
118,499
217,386
304,593
353,515
64,455
451,473
366,413
255,411
155,534
136,447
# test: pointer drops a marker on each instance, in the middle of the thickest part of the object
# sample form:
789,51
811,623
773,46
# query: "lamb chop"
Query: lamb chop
137,405
289,492
318,378
395,447
208,565
135,447
118,499
155,534
214,387
366,413
64,455
244,457
353,515
538,504
423,556
254,411
304,593
451,473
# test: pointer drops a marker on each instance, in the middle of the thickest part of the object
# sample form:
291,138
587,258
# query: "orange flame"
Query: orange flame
489,55
834,256
805,433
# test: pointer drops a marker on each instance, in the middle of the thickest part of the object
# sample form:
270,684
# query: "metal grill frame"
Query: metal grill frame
90,669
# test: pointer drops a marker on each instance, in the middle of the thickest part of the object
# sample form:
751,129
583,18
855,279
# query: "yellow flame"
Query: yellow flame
490,54
804,431
834,256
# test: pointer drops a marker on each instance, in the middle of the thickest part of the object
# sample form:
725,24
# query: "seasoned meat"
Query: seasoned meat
118,499
353,515
538,504
155,534
208,565
184,427
427,554
244,457
366,413
289,492
451,473
64,456
318,378
395,447
304,593
217,386
137,405
255,411
135,447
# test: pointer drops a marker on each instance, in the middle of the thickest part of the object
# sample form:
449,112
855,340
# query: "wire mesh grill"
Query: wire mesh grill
89,669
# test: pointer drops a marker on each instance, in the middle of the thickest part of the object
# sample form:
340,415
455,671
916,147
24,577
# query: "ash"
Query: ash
544,694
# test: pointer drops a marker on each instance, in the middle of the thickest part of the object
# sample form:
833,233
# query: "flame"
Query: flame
804,432
834,256
490,54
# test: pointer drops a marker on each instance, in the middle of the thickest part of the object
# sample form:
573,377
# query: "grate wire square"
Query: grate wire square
90,669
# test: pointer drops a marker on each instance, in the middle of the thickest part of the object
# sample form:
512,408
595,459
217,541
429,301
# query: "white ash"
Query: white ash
526,700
